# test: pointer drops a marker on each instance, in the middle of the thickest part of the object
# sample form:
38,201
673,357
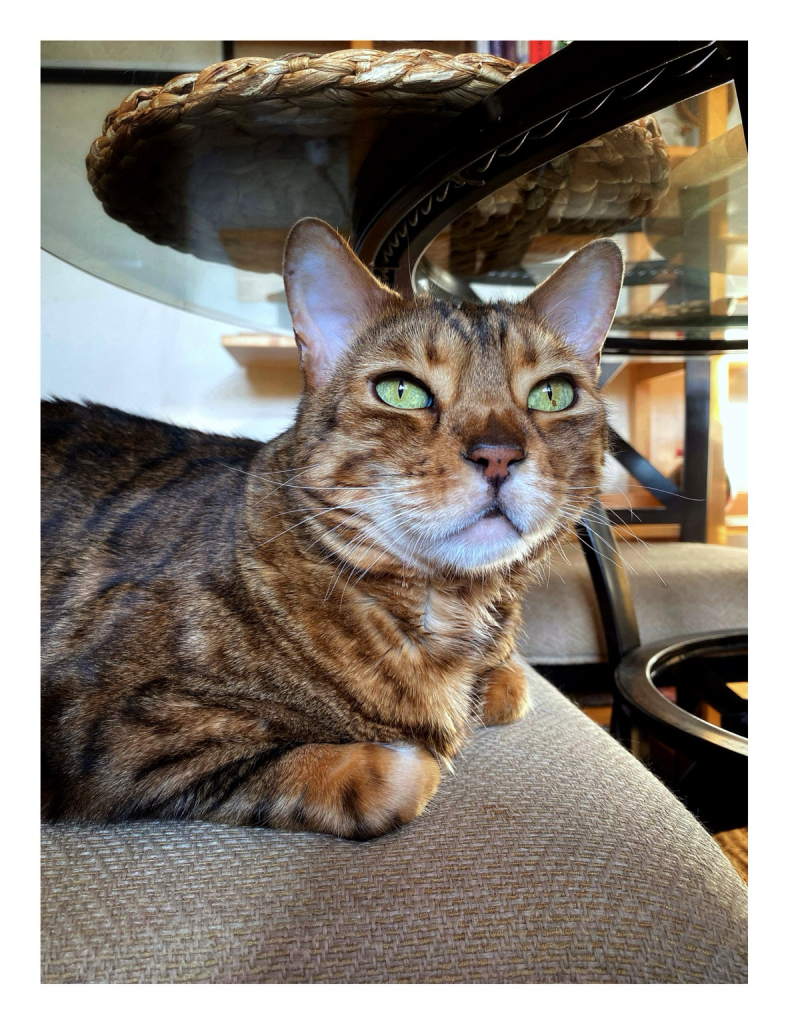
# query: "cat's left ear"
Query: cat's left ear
578,301
330,294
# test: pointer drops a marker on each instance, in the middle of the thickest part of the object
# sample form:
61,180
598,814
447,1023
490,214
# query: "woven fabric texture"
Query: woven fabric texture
676,589
550,855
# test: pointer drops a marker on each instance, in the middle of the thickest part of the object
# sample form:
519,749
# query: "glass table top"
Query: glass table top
194,211
671,190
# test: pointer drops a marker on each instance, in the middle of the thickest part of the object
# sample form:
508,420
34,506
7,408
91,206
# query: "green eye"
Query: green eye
551,395
402,392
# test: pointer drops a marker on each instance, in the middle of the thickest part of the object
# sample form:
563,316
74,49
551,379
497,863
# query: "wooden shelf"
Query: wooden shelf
254,349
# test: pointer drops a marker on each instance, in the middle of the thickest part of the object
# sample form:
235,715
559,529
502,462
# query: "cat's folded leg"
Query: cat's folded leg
505,693
352,790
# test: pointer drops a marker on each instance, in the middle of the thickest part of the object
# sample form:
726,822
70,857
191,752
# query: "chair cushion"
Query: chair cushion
551,855
676,589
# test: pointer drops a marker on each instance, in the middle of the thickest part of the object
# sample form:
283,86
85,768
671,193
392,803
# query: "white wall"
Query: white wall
103,344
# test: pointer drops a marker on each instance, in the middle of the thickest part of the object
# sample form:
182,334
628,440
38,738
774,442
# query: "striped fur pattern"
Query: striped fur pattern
302,634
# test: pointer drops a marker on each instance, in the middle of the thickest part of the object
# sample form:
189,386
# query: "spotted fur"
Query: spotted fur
301,634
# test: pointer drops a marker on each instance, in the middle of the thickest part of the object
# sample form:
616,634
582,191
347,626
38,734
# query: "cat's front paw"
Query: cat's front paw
506,696
355,790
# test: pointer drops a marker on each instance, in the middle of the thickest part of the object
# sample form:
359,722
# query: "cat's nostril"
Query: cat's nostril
495,460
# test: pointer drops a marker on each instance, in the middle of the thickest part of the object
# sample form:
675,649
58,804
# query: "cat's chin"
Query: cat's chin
489,542
489,530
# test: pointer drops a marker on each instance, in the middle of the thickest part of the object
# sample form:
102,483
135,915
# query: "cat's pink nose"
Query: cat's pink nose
496,460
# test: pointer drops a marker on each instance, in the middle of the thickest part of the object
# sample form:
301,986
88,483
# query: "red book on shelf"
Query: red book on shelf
538,50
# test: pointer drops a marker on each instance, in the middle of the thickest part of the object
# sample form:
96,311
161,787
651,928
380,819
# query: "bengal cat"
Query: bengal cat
302,634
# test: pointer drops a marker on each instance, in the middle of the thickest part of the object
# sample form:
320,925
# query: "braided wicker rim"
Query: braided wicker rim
137,166
254,93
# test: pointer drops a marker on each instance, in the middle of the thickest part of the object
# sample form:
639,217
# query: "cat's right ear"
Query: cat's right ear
330,294
578,301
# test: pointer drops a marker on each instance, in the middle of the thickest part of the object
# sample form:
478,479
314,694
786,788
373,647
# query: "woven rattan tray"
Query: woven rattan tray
220,163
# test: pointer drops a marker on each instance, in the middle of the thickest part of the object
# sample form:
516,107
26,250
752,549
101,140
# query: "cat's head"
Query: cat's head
447,438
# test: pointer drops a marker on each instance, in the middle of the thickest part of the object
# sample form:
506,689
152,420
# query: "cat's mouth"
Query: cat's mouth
496,511
489,537
497,523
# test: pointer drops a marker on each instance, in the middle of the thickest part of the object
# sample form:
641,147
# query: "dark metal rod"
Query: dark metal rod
697,406
610,583
388,190
663,489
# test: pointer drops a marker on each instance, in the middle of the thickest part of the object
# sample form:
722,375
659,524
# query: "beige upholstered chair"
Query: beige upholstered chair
676,589
551,855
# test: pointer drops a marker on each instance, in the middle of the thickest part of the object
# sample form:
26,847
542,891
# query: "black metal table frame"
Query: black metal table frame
403,201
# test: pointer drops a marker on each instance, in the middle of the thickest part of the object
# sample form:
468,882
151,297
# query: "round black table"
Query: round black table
676,709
